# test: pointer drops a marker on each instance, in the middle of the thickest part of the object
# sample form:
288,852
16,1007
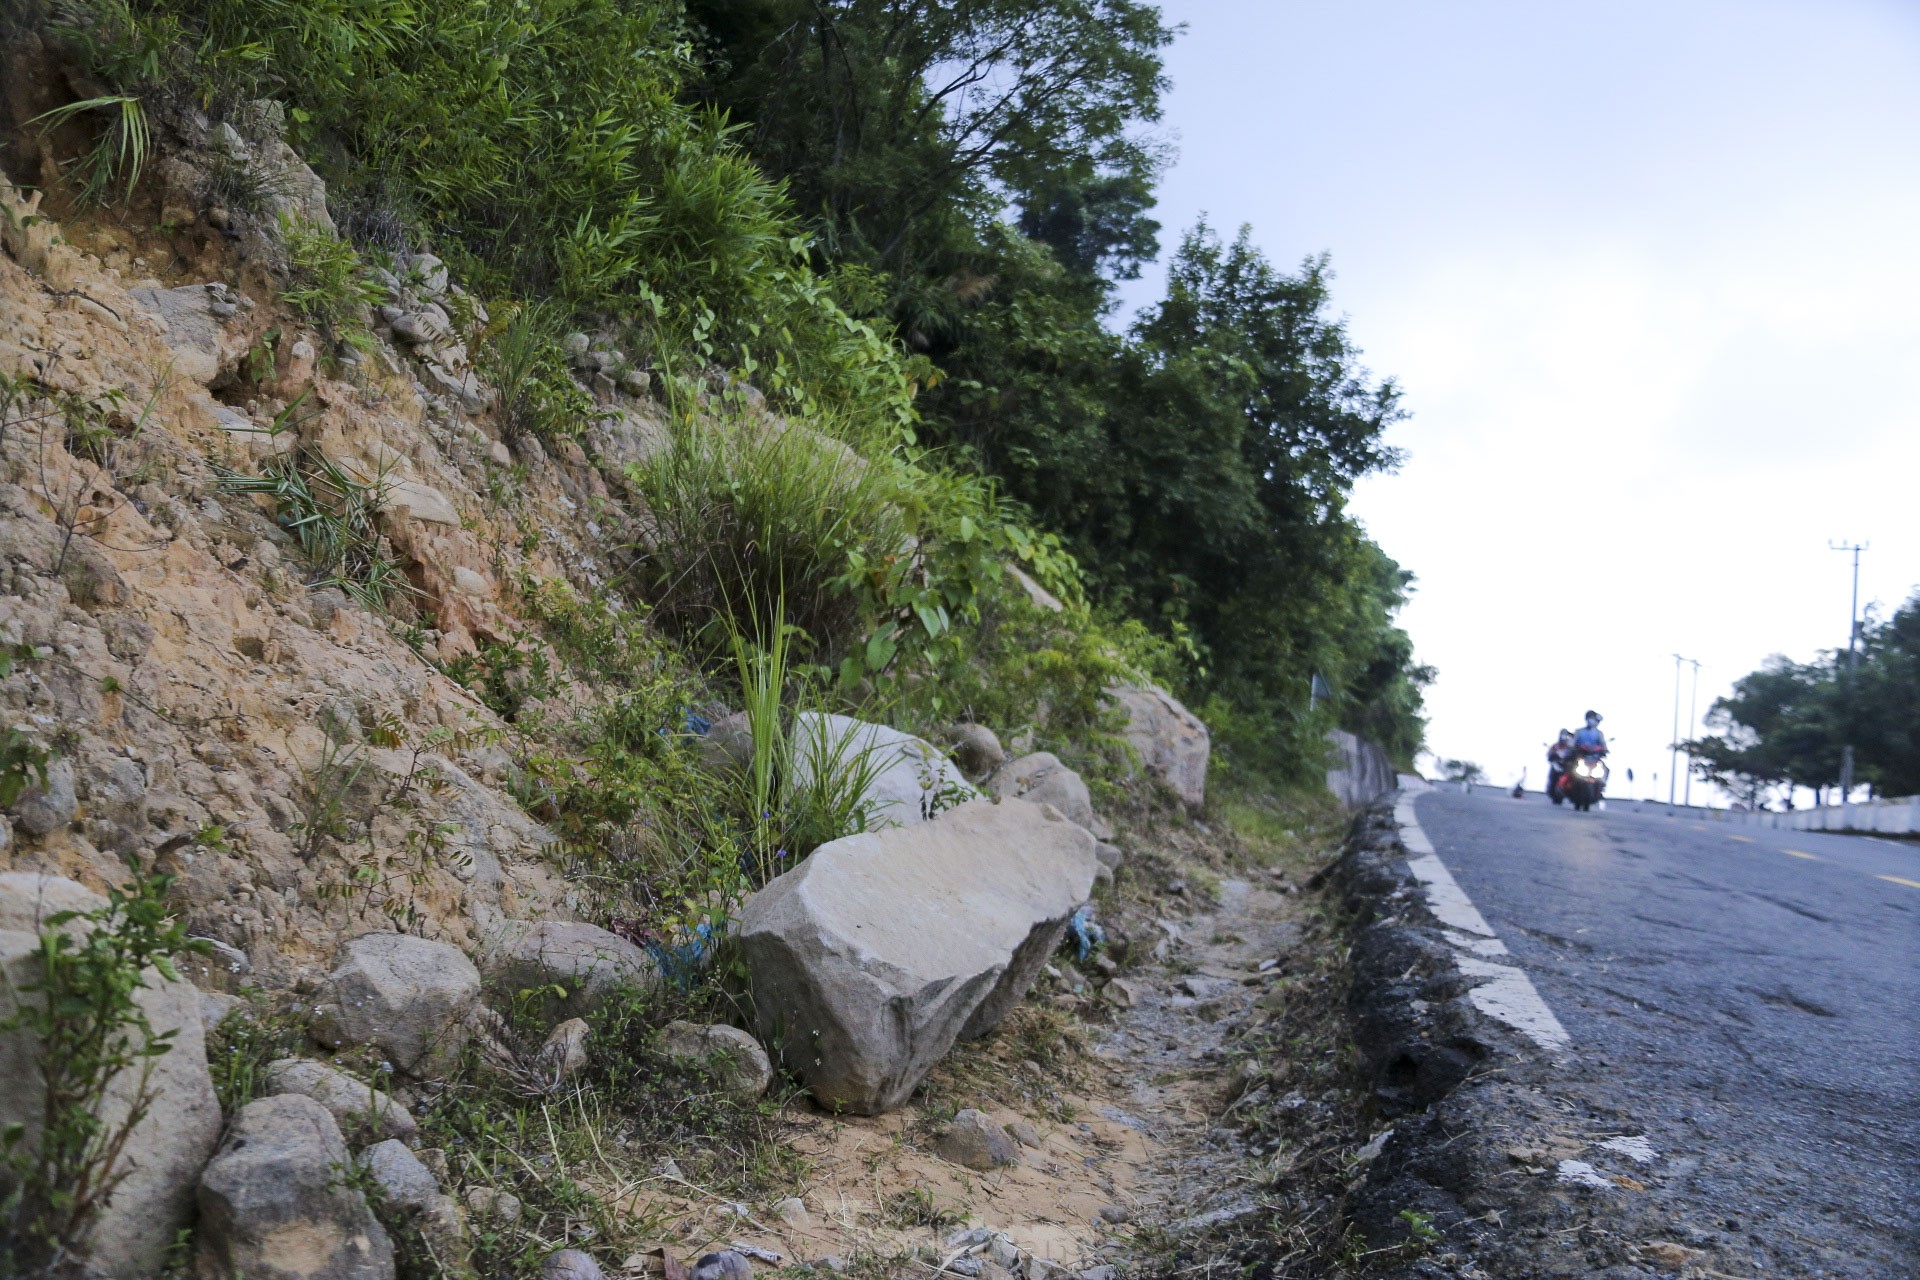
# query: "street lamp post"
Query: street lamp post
1693,709
1673,755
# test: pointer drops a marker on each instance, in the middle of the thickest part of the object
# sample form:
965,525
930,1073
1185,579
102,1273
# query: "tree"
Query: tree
1462,771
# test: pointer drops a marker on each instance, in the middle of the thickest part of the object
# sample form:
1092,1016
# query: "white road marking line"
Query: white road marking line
1508,994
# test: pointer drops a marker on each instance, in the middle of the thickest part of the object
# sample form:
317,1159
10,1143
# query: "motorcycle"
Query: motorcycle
1585,783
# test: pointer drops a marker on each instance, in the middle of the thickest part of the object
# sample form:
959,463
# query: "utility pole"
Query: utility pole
1853,658
1673,756
1693,708
1673,744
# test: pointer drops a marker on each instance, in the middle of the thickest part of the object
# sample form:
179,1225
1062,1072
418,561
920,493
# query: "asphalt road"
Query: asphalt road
1749,999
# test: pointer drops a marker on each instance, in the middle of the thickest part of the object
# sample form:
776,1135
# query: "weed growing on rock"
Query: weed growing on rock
334,515
916,1207
81,1009
121,150
326,282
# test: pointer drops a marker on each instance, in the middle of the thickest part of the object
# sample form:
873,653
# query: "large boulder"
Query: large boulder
1040,778
274,1204
583,960
874,955
1172,743
1361,773
165,1150
412,998
911,780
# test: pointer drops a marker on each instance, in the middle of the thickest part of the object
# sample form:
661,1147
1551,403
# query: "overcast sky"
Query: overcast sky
1649,274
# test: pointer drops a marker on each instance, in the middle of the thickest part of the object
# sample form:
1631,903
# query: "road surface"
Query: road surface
1750,998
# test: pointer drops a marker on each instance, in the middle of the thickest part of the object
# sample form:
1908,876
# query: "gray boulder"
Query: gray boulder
976,749
47,807
734,1059
874,955
1041,779
413,1207
364,1113
585,960
570,1264
912,780
273,1204
1173,745
165,1150
409,997
975,1141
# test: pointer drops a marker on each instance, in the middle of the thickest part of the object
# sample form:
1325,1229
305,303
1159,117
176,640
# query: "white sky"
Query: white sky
1649,274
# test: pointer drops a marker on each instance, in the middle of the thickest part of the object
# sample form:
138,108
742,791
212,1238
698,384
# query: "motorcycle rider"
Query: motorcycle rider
1557,757
1589,741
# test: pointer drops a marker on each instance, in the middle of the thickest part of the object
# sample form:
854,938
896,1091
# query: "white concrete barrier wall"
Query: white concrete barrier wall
1899,817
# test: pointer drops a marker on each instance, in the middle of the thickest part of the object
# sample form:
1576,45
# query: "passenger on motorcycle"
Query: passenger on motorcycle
1557,757
1589,741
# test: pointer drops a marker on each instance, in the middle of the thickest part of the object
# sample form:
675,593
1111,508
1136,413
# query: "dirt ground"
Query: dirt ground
1131,1143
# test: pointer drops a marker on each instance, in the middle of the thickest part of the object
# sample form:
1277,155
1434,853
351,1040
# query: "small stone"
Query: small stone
1110,855
976,749
1100,1273
976,1142
793,1212
1114,1213
1025,1134
363,1112
1125,992
571,1264
470,583
489,1202
501,455
731,1057
724,1265
565,1050
831,1262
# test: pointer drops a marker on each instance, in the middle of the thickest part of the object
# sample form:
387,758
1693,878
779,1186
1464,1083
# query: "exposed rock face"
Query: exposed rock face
166,1149
410,997
364,1113
733,1058
1361,773
273,1206
586,960
873,956
194,325
912,779
1173,744
976,1141
1041,779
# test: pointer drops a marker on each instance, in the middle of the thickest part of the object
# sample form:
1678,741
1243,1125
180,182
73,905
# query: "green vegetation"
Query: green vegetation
903,225
1789,723
334,515
82,1010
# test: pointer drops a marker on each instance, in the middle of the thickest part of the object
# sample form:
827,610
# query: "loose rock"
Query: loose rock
733,1058
586,961
723,1265
1042,779
273,1207
976,749
976,1141
912,780
409,996
866,1000
364,1113
570,1264
1173,744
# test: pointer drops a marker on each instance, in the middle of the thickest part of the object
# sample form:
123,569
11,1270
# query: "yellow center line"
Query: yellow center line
1741,839
1911,884
1795,853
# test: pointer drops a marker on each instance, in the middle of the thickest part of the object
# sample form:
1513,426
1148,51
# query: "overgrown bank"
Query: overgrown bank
459,575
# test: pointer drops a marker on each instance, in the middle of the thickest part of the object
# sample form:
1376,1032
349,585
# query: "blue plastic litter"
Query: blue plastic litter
1086,932
697,724
680,964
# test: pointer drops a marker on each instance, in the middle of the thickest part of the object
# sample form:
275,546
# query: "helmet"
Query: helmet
1594,717
1566,735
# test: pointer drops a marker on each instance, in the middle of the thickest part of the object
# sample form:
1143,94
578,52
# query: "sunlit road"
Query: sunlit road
1751,998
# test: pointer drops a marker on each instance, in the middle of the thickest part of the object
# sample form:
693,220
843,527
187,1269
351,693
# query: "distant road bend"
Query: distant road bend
1751,997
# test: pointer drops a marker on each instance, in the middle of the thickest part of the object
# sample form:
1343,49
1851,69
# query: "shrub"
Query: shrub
89,1029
